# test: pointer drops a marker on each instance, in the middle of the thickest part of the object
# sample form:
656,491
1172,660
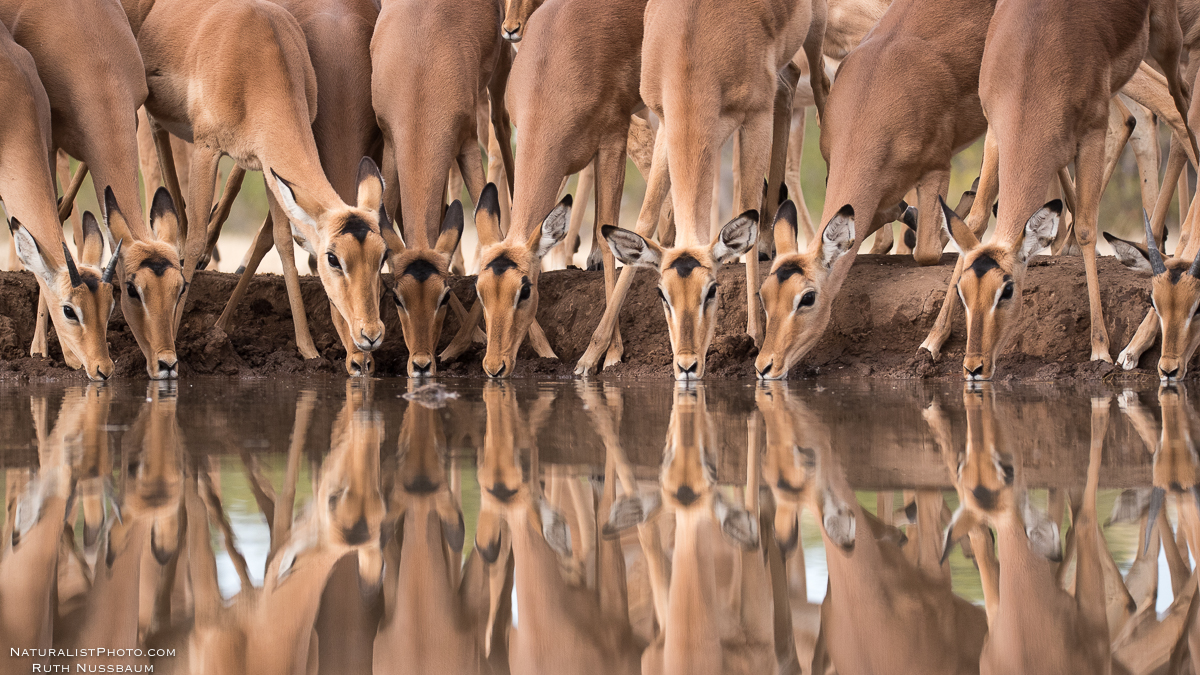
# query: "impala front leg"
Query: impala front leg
203,175
1142,340
657,188
610,180
1089,183
755,156
264,241
291,278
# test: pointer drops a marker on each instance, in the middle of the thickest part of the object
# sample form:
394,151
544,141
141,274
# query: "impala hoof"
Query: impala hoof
1126,360
1102,356
933,352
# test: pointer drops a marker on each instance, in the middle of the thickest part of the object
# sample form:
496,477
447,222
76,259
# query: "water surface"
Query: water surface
595,527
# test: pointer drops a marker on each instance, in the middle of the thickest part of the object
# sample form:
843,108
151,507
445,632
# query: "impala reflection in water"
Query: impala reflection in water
333,526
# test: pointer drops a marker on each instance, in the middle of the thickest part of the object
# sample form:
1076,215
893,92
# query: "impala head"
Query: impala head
153,277
992,279
80,296
794,294
1175,296
797,442
687,284
421,292
350,254
516,17
987,484
349,502
422,487
508,275
506,494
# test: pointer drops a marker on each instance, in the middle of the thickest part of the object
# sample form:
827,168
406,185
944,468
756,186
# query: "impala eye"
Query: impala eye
526,290
131,291
445,299
661,296
808,299
1007,293
711,295
333,261
69,312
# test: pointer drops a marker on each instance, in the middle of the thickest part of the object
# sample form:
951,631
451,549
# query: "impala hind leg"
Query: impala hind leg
754,157
610,181
1089,179
263,242
284,245
658,186
203,179
929,217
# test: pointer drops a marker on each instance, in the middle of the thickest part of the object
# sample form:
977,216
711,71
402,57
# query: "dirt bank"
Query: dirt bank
884,312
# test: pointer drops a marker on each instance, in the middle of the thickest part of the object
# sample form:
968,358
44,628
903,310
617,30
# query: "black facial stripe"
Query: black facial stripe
983,264
787,271
420,270
684,264
501,264
356,227
157,264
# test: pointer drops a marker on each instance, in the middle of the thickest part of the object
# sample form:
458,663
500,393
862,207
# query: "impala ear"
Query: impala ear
115,223
452,228
787,527
1130,254
164,219
838,236
961,237
93,241
735,238
300,212
487,216
631,249
960,524
838,520
737,523
370,186
786,229
453,528
31,255
554,228
1040,230
555,529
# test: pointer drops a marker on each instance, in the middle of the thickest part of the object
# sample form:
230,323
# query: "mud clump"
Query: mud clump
882,315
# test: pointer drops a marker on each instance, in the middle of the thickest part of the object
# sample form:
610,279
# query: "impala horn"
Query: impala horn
112,264
1157,266
76,280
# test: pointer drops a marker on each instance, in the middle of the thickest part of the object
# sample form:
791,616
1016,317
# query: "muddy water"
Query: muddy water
548,527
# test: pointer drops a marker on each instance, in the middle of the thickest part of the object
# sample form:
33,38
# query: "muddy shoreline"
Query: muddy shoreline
883,313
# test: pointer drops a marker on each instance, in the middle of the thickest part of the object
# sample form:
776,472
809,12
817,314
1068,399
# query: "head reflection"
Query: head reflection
1034,625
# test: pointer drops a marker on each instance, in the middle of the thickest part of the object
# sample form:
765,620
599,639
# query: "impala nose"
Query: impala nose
1168,374
975,373
765,371
421,366
514,34
498,372
358,534
167,368
688,367
369,338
